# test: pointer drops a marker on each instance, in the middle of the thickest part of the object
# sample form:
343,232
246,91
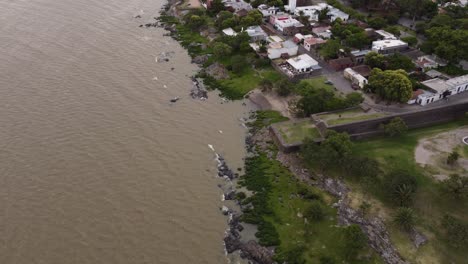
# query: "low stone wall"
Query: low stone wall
369,128
415,119
279,141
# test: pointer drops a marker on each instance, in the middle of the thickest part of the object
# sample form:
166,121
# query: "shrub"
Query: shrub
400,187
453,157
315,211
396,127
404,218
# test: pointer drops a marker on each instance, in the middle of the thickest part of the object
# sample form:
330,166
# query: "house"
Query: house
256,33
272,39
358,56
382,34
298,67
313,12
341,63
436,74
439,88
415,96
322,32
298,38
236,5
267,10
284,48
303,63
355,78
429,62
286,24
389,46
313,43
229,32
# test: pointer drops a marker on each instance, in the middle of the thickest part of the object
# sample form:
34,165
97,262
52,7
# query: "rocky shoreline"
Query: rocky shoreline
251,250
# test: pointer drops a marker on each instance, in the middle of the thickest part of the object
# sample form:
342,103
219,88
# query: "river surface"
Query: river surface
96,166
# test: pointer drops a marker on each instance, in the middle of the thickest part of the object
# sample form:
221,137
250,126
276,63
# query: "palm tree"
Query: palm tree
404,218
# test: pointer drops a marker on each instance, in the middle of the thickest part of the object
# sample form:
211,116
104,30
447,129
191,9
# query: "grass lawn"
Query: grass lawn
319,82
293,132
430,204
239,85
348,116
265,118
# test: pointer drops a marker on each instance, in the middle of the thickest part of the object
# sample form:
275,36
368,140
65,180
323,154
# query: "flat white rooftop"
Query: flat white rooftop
302,61
458,80
437,85
388,43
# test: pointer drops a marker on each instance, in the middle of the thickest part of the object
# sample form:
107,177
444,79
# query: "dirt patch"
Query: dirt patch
432,152
271,101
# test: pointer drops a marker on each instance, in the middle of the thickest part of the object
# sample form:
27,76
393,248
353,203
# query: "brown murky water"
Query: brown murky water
96,165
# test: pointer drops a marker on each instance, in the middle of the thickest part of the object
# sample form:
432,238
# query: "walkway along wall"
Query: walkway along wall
369,128
415,119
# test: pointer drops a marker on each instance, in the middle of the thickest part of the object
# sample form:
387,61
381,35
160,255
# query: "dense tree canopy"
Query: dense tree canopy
333,151
392,85
315,100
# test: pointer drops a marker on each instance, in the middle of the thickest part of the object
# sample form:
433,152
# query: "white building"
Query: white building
384,34
440,89
229,32
313,12
256,33
303,63
389,46
276,49
312,43
282,24
267,10
429,62
355,77
291,6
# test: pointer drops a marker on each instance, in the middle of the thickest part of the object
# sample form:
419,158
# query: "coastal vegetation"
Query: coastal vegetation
297,218
245,69
384,171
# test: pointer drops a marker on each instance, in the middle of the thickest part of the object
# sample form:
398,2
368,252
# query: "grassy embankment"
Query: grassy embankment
281,205
238,84
430,204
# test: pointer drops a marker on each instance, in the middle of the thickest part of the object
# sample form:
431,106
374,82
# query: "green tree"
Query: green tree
363,168
284,87
334,151
315,211
238,63
354,240
353,99
375,60
266,85
404,218
358,40
412,41
457,231
392,85
330,49
398,61
455,185
453,157
195,21
221,50
323,14
400,187
217,6
396,127
377,22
